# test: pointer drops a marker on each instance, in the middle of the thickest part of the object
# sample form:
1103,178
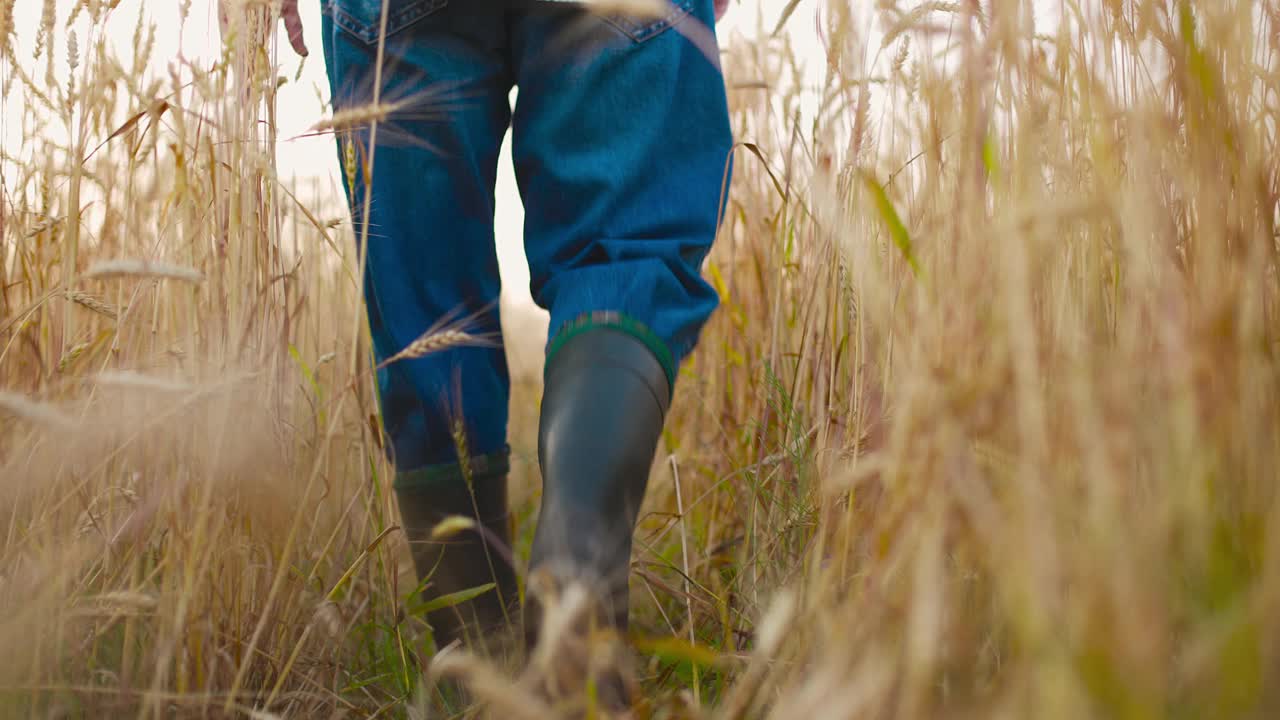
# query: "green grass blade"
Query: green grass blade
889,214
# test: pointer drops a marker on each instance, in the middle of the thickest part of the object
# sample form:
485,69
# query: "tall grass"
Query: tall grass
986,426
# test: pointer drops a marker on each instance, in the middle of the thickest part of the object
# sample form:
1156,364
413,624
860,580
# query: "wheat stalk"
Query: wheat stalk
94,303
358,117
136,381
72,355
505,698
770,634
433,342
913,18
6,25
124,268
119,602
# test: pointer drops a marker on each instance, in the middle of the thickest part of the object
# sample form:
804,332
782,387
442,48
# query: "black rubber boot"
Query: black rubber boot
603,405
466,559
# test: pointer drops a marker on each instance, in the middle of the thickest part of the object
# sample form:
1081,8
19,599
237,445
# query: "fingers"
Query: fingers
293,26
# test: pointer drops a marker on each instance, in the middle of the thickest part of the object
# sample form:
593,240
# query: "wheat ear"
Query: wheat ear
433,342
94,303
143,268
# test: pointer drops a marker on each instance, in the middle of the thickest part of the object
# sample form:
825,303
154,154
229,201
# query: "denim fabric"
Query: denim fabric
620,144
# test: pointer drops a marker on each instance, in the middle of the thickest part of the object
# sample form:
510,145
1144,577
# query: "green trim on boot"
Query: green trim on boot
608,319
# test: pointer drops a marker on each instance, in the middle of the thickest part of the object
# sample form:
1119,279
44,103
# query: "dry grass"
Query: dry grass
987,425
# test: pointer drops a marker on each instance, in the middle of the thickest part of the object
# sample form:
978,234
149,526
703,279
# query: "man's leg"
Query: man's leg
621,139
431,258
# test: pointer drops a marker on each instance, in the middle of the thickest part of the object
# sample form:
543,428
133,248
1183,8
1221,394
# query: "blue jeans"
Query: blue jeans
620,140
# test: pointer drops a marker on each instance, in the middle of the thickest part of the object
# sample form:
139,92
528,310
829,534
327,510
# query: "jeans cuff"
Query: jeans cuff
473,469
623,323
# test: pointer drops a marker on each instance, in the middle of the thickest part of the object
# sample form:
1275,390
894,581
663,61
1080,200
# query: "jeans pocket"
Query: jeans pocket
641,29
362,18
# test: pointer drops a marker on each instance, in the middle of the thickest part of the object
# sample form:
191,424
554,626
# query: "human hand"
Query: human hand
721,7
288,13
293,26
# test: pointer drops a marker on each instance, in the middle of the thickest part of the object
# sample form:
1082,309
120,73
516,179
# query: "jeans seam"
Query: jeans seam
679,10
397,20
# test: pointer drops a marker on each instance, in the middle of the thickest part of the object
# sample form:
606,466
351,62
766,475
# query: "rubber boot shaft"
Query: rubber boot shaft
605,399
466,560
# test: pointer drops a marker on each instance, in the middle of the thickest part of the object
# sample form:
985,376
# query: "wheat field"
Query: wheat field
987,426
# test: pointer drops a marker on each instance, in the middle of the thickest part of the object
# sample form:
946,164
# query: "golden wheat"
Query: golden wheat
990,398
94,303
358,117
131,268
124,379
433,341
